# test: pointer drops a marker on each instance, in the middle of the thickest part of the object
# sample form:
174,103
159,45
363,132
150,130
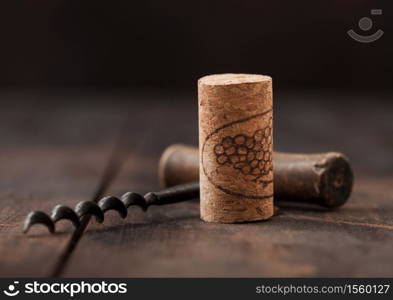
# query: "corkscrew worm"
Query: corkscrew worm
170,195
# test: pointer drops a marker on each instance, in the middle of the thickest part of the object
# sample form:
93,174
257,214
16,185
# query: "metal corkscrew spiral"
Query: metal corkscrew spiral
170,195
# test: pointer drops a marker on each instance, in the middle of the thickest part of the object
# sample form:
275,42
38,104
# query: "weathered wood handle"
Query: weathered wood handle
322,178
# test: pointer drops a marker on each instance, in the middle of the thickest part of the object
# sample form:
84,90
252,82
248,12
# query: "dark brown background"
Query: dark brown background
169,44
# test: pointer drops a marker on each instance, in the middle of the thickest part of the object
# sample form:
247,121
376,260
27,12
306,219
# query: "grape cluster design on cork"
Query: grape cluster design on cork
250,155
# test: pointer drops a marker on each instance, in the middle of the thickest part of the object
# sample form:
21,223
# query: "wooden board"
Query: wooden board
355,240
304,241
45,162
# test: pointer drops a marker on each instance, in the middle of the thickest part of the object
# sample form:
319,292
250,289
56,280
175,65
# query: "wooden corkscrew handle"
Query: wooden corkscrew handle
322,178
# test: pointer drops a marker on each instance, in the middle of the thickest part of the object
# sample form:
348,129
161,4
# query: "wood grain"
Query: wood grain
45,162
302,241
58,157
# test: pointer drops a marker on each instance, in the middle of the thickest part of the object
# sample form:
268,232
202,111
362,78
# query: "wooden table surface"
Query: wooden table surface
61,147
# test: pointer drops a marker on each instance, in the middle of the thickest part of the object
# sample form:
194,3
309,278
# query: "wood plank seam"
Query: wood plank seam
109,174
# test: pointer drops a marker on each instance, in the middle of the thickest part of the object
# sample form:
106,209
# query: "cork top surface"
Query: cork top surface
230,78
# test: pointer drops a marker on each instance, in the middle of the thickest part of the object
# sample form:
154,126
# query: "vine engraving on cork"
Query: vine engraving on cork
247,156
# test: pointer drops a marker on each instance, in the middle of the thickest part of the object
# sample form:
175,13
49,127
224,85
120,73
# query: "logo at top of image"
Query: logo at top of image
12,290
365,24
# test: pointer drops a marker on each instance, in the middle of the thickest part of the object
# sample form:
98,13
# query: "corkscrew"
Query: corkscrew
170,195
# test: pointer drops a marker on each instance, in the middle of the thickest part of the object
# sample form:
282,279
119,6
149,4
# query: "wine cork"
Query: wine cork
235,147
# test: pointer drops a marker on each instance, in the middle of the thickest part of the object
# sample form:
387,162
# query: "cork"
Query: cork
235,147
